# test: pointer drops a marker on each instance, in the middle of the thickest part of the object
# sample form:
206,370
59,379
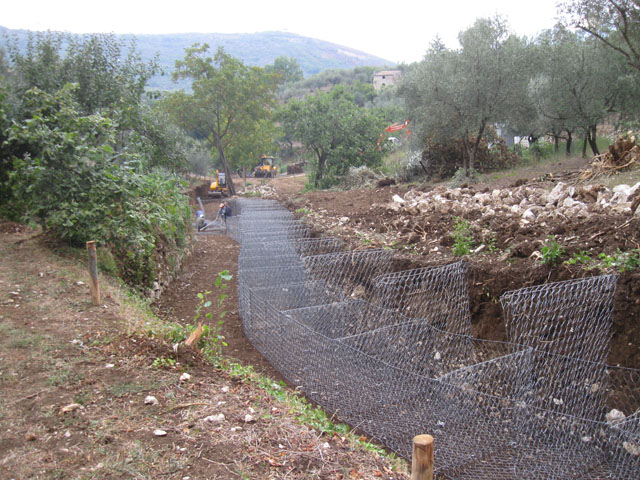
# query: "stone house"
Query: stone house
386,77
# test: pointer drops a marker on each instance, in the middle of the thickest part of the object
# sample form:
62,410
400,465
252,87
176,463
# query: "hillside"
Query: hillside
258,49
98,392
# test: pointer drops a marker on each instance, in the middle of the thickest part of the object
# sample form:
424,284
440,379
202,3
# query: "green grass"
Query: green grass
63,376
20,338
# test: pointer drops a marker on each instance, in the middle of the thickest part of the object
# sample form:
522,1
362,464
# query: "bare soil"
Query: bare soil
426,240
74,377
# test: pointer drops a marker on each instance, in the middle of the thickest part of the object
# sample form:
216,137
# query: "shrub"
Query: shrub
73,183
552,251
462,237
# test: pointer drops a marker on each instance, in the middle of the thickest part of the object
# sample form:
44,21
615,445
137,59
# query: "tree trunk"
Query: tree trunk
466,153
322,159
584,145
569,140
591,135
474,151
227,171
244,178
556,143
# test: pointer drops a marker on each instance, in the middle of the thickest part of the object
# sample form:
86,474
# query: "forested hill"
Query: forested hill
258,49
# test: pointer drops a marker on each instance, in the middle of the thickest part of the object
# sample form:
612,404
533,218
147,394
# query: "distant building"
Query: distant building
386,77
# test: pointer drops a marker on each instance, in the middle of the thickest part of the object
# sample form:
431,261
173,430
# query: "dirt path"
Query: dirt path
91,392
212,254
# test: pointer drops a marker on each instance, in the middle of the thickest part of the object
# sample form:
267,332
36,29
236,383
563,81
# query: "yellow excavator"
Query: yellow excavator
265,168
219,187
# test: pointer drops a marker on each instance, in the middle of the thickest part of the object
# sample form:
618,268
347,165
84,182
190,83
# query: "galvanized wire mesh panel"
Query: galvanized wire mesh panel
317,246
350,274
253,236
391,353
437,294
571,318
294,296
268,259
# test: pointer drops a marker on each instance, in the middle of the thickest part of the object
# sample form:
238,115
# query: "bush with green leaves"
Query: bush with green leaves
211,340
73,183
462,237
552,251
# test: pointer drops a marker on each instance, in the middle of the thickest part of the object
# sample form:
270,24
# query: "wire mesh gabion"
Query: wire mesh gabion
392,353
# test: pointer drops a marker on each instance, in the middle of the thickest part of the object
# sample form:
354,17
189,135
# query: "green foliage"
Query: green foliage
490,241
5,159
214,341
458,94
229,108
535,152
462,237
340,133
211,340
615,24
552,251
622,261
108,76
580,258
164,362
578,84
74,184
286,68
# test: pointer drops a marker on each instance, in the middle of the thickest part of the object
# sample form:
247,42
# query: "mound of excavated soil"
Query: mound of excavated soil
509,224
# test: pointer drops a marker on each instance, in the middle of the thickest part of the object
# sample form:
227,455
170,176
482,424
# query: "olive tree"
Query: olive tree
616,23
457,94
579,84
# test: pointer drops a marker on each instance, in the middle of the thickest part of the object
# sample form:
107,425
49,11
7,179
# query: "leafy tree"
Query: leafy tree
248,148
4,65
106,77
40,66
338,132
77,187
229,103
5,159
578,86
616,23
287,69
457,94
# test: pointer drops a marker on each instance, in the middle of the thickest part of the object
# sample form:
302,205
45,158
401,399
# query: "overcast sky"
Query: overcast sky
400,31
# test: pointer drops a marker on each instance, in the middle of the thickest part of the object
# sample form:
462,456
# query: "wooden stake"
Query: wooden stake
93,272
195,336
422,459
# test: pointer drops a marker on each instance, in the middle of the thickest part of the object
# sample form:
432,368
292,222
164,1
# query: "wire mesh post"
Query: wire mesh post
422,458
93,272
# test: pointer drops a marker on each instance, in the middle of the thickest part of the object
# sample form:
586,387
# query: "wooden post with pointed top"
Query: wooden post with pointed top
93,272
422,459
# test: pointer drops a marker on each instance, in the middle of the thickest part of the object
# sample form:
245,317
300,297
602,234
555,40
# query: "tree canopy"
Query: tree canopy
338,132
458,93
616,23
82,156
229,104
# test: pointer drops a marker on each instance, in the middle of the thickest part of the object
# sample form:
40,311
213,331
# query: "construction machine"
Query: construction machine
265,168
219,187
